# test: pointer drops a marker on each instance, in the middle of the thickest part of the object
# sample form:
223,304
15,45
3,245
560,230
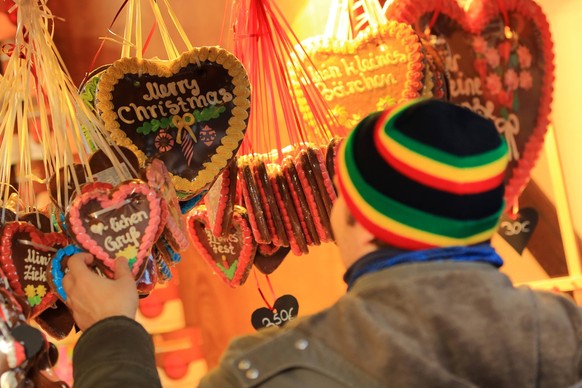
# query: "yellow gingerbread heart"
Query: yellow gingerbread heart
381,67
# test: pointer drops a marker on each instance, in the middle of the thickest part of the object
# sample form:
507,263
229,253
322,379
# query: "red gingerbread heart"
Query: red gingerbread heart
231,256
500,61
120,223
26,253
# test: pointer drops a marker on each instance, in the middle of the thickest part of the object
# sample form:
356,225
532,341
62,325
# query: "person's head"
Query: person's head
421,175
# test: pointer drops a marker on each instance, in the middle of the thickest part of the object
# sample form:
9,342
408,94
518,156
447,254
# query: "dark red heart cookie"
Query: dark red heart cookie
231,256
115,166
220,199
26,254
297,241
65,183
500,61
269,257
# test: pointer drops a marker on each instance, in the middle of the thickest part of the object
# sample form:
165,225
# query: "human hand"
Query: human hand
92,298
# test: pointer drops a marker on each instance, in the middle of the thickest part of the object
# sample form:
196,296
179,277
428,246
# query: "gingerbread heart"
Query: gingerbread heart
65,183
372,72
269,257
26,254
121,223
231,256
499,58
191,113
102,166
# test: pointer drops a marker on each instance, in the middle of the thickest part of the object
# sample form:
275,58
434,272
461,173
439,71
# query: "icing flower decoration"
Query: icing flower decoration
492,56
130,252
524,56
479,44
164,142
385,103
511,79
493,83
30,291
41,291
525,80
504,67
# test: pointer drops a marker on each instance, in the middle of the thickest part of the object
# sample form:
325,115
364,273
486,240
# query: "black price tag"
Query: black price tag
517,229
284,310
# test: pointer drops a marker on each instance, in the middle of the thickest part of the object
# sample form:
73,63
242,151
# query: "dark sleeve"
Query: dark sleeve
115,352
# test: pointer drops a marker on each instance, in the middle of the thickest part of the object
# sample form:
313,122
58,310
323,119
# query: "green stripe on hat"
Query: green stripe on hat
444,157
414,218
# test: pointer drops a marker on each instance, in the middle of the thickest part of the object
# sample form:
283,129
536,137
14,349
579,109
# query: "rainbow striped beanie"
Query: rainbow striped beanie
424,174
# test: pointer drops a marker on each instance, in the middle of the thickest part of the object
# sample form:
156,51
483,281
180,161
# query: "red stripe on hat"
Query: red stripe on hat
439,183
383,234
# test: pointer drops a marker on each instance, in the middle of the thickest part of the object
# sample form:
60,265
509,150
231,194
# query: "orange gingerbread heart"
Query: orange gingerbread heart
372,72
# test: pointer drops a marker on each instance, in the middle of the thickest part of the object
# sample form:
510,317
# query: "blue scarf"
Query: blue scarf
385,258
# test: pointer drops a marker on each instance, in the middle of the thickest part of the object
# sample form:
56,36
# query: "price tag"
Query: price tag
517,229
284,310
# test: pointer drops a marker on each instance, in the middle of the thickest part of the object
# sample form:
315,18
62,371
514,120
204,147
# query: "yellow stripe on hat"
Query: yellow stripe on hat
439,169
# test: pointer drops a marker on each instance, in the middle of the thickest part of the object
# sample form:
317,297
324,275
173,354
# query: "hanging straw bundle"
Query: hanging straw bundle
40,101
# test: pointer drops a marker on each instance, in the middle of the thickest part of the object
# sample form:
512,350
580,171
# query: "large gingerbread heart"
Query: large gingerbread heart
231,256
372,72
500,61
191,113
122,222
26,254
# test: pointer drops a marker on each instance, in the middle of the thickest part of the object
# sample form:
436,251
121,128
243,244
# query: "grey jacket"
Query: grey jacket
439,324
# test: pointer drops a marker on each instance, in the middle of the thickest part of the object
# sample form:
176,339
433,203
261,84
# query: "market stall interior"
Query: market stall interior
236,145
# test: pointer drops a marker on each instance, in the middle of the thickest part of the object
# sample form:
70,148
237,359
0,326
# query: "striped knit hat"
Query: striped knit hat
424,174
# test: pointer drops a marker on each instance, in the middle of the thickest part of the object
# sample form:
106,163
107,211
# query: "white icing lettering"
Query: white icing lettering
34,257
124,222
158,91
120,242
222,245
33,274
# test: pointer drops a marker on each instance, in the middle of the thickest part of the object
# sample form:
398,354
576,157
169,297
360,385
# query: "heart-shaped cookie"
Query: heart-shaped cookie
269,257
231,256
376,70
191,113
102,166
500,62
26,254
121,223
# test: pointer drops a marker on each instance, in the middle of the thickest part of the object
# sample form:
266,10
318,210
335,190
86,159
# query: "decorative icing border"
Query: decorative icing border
237,123
474,21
